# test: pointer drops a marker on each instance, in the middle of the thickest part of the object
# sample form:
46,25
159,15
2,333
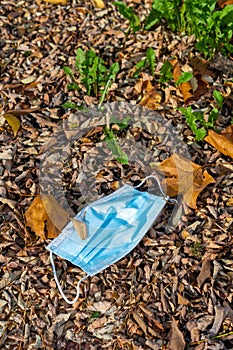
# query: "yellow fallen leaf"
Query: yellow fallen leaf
184,177
44,225
98,3
57,2
13,121
221,142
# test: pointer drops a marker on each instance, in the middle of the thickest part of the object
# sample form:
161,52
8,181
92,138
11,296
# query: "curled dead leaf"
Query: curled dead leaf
18,112
80,228
151,98
223,3
176,341
185,88
228,132
221,142
204,273
45,217
184,177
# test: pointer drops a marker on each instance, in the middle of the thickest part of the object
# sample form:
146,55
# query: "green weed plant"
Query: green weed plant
212,27
92,72
198,123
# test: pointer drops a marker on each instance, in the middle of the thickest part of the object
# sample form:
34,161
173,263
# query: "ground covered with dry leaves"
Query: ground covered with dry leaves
174,290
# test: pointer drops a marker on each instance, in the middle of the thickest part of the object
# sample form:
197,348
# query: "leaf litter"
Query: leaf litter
175,289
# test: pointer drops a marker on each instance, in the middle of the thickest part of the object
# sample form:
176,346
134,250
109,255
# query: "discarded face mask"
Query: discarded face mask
109,229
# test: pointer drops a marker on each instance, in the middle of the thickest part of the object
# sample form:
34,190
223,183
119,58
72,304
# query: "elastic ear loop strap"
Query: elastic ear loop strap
167,198
59,286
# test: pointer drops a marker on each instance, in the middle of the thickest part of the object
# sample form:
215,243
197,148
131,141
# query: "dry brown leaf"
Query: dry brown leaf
151,98
223,3
80,228
56,213
184,177
220,142
13,121
99,322
39,220
176,341
202,86
220,314
185,88
18,112
140,322
228,132
204,273
57,2
98,3
182,300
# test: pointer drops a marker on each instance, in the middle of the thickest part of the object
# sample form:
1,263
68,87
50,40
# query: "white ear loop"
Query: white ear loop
59,286
167,198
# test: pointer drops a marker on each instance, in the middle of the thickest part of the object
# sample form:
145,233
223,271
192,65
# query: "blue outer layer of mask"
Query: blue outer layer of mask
115,225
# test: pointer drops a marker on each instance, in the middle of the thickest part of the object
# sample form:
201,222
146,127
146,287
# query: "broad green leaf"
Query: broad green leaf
141,64
122,123
113,70
128,13
68,71
166,72
70,105
150,55
80,58
72,86
218,97
114,147
200,134
186,76
152,19
13,121
213,117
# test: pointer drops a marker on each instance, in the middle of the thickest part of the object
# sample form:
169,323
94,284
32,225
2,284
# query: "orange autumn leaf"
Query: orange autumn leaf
221,142
223,3
151,98
185,88
46,217
228,132
184,177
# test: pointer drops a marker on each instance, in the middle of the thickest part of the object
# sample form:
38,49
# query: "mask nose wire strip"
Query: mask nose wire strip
59,286
167,198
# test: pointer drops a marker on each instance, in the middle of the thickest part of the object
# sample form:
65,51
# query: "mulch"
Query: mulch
174,290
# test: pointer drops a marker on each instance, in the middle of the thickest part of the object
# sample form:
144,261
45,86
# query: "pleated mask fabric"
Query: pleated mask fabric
115,224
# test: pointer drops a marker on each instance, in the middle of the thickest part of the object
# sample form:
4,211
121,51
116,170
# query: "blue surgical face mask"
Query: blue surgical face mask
114,225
